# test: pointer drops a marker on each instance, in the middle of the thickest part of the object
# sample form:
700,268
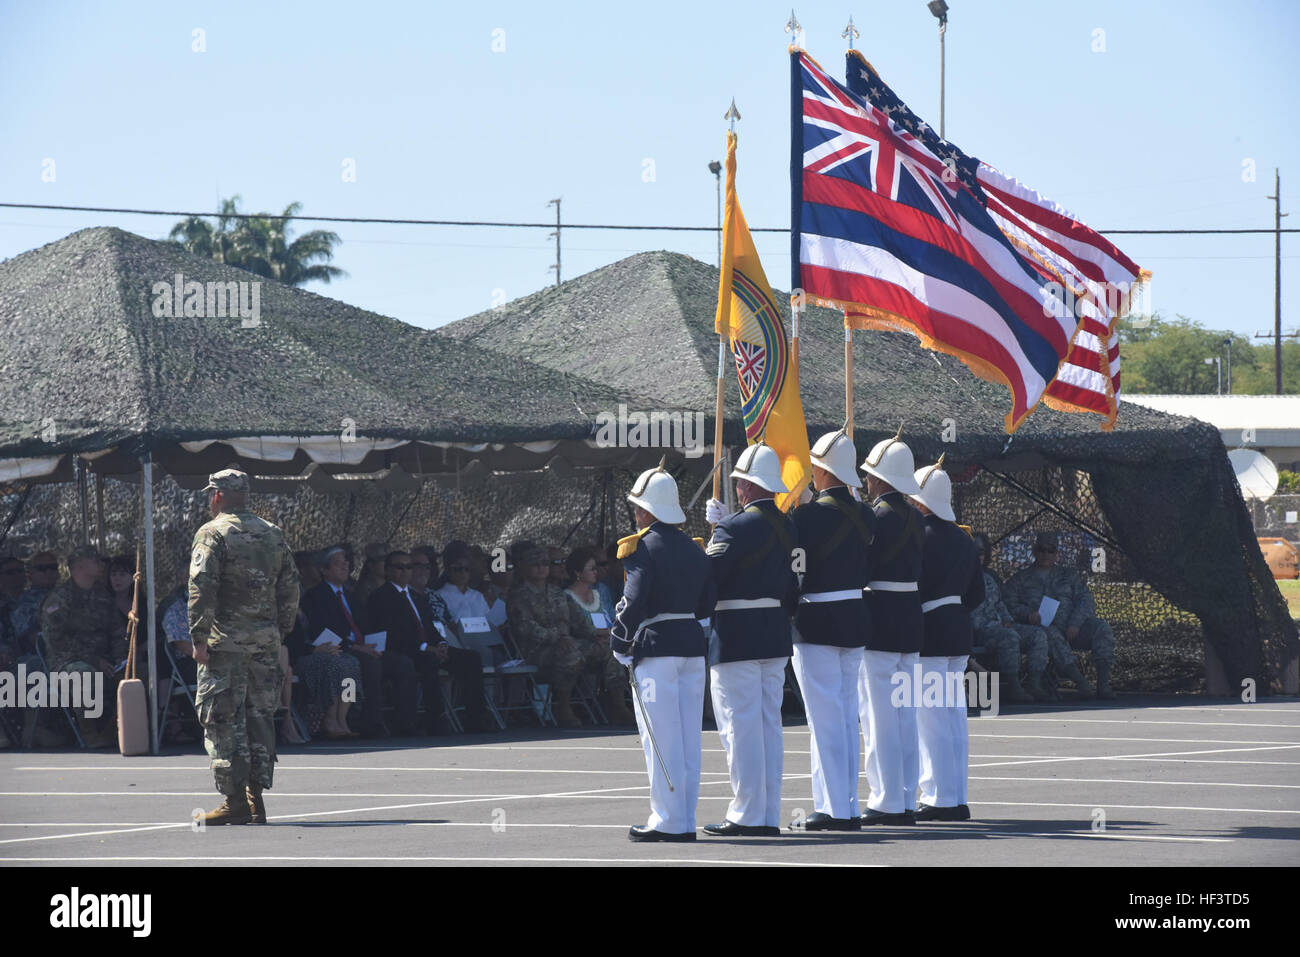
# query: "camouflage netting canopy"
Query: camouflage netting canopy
484,430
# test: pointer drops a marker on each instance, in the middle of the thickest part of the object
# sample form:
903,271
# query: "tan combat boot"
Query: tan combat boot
563,711
231,811
256,806
1072,673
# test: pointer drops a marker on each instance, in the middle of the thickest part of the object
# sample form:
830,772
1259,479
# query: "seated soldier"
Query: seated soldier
997,630
554,634
1074,625
79,626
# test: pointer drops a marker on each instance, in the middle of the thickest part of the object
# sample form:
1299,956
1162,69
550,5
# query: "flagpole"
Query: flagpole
848,378
730,116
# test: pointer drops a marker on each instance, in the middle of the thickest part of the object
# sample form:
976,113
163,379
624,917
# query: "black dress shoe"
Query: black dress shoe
818,821
642,832
732,829
900,819
928,812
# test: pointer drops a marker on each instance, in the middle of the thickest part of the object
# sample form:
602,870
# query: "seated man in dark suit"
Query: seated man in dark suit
415,650
464,665
333,604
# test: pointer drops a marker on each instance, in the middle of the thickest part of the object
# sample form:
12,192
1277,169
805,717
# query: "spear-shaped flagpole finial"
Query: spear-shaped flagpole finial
663,462
793,28
732,114
850,33
939,464
899,433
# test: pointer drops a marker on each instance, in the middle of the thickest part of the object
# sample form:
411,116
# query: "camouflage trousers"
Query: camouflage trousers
1008,642
237,696
560,662
1094,634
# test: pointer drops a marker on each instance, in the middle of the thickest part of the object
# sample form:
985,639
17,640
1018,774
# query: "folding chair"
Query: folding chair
39,644
501,664
179,687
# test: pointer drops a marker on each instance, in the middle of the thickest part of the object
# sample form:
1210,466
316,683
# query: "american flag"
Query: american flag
884,229
1099,278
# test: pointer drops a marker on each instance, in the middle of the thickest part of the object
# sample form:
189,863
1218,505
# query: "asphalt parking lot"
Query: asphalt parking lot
1143,781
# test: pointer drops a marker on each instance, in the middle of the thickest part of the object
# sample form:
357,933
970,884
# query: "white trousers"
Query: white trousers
892,763
944,738
828,679
747,708
672,693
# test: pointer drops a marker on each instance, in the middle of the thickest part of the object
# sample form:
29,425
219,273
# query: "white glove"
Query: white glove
624,660
715,511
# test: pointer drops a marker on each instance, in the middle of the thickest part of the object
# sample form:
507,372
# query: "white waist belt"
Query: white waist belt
940,602
892,586
817,596
664,616
735,604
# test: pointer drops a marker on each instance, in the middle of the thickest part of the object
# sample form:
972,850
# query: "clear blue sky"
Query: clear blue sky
1152,132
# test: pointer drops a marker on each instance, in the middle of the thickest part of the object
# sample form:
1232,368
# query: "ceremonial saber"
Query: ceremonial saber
649,730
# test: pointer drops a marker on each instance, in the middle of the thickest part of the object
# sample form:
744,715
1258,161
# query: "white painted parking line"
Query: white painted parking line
1156,754
1175,784
244,859
1109,740
1192,724
455,769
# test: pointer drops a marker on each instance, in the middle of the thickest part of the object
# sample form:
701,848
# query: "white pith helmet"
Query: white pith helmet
835,453
935,490
762,466
655,491
891,461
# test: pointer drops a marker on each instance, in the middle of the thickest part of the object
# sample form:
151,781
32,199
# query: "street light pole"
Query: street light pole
1218,373
940,9
1228,342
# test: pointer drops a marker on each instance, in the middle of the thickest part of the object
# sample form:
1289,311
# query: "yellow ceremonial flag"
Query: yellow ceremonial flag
765,367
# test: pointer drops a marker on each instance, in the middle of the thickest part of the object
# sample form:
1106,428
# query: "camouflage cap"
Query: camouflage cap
531,555
83,551
1045,540
227,480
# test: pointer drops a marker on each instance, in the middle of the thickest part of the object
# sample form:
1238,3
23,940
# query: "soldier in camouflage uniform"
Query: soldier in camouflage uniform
555,635
243,600
80,631
998,631
1075,624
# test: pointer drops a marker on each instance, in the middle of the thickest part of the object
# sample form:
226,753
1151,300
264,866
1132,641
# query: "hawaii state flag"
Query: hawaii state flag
769,379
885,230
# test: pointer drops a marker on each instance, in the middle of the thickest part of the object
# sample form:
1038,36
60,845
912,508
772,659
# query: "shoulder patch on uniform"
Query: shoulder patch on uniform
627,546
716,548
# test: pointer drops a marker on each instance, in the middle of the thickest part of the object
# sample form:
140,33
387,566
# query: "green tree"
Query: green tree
260,244
1168,356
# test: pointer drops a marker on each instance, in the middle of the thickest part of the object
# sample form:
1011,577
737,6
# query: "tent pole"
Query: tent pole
100,534
147,481
82,500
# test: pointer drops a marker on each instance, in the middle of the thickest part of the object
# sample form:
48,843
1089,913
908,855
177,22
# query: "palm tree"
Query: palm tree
260,244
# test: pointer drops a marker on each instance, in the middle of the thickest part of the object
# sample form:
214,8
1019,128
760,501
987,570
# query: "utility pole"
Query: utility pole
1277,280
556,234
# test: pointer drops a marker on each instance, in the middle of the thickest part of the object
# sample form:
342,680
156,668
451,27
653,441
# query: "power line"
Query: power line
511,225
